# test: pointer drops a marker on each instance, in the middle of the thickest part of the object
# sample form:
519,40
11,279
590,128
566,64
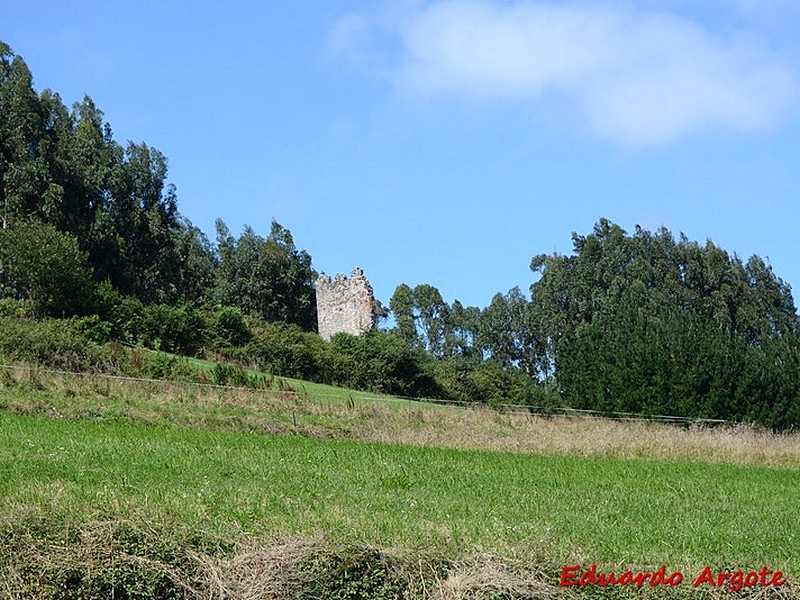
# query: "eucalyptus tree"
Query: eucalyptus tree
422,317
646,323
508,335
461,339
268,277
402,307
24,178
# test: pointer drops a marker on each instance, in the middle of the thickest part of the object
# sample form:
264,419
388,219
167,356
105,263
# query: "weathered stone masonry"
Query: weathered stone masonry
344,304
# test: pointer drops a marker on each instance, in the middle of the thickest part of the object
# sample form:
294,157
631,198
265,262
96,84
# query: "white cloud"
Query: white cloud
632,76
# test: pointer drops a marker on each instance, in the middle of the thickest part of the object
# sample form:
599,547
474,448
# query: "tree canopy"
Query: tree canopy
268,277
48,266
61,168
648,324
640,323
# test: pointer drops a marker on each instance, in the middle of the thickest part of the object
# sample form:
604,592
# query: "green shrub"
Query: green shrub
230,327
286,350
57,344
469,380
94,329
159,365
354,574
380,362
16,308
179,329
48,267
124,313
225,374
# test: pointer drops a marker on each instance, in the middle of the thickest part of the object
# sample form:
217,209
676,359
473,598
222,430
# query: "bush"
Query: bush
94,329
182,329
179,329
224,374
230,327
380,362
353,574
282,349
16,308
57,344
47,266
123,313
167,366
488,383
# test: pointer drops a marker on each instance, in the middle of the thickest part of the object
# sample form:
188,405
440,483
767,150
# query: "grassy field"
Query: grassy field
190,481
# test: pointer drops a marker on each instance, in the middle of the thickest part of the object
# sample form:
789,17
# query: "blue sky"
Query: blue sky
448,142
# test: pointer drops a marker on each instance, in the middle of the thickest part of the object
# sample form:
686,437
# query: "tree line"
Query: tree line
641,322
78,209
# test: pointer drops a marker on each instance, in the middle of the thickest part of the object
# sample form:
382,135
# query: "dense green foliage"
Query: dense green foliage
49,265
381,362
63,168
638,323
378,362
482,355
266,277
644,323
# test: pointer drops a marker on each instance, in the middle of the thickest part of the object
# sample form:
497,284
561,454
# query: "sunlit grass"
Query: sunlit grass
567,509
308,389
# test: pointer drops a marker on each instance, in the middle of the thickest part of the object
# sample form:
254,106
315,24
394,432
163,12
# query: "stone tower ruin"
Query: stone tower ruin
344,304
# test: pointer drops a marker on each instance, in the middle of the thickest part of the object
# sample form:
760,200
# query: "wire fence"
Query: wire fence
549,411
508,409
108,376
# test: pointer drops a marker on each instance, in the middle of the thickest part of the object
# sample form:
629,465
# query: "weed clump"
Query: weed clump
354,573
41,558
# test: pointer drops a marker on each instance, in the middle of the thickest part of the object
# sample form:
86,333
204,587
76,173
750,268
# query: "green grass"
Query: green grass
415,499
95,470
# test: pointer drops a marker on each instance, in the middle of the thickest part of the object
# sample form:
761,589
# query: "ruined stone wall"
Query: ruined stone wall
344,304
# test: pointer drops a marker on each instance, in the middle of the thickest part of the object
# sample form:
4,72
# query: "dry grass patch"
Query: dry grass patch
258,570
487,429
137,560
489,577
